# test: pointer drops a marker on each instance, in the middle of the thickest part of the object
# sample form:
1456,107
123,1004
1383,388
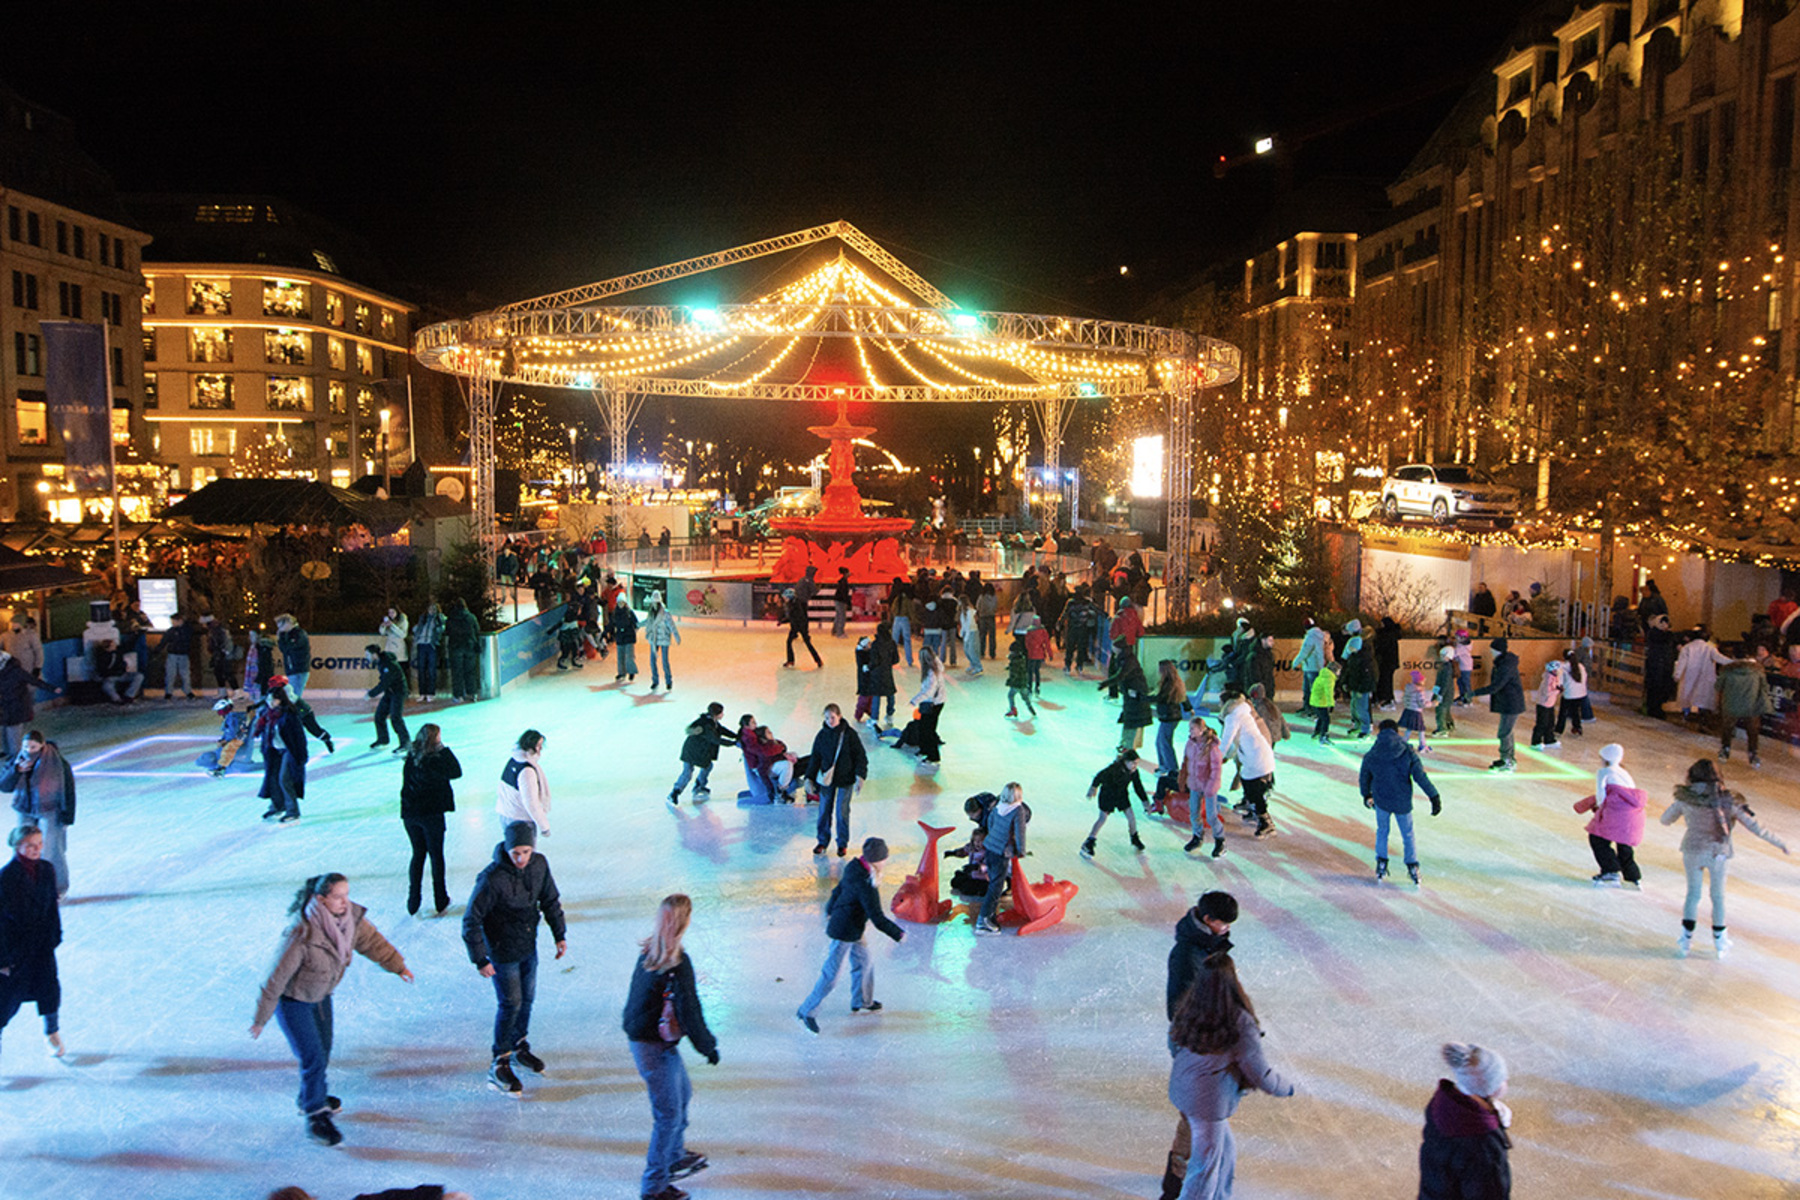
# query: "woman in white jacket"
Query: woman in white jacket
524,792
929,700
1697,674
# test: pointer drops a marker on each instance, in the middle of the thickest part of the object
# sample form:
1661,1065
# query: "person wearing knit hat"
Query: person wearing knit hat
1548,698
499,930
1618,821
1506,699
1358,677
1465,1147
854,903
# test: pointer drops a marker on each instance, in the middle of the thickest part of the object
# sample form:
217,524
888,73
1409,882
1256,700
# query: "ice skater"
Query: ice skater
389,694
1574,695
1389,770
1218,1057
282,741
1506,699
30,932
1114,784
884,656
659,632
839,764
1245,742
799,623
1203,931
328,928
500,931
1321,698
1548,698
1171,705
622,628
661,1008
524,793
1464,1152
700,750
1018,677
1003,842
1618,821
1205,773
1413,700
855,902
425,796
1712,813
1444,689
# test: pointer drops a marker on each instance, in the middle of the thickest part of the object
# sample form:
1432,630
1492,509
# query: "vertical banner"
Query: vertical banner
79,400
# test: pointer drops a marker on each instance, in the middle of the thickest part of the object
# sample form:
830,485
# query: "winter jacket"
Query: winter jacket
1505,690
644,1003
841,752
1260,669
524,793
1194,944
1207,1087
1116,781
28,648
1135,712
425,784
1696,674
1006,831
30,922
428,630
1387,647
1463,1156
660,630
1743,690
1621,817
296,651
1389,769
1324,691
1127,626
1205,769
461,630
1549,690
307,969
1037,642
1711,812
704,737
179,639
1359,667
282,740
1575,681
854,903
1018,666
16,684
1170,709
1312,651
622,624
884,655
390,680
500,924
219,644
1245,740
931,688
22,783
393,635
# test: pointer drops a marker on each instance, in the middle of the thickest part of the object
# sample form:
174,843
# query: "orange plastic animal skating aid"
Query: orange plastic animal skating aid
1037,906
916,899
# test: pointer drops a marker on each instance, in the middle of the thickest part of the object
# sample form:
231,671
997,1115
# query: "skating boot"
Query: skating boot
1412,872
1087,848
1380,869
525,1058
1218,847
1684,944
502,1079
1721,943
1607,879
1192,845
1137,843
321,1128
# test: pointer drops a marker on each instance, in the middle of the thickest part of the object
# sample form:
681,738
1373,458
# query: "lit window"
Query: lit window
282,298
368,444
286,347
212,391
149,345
365,359
121,426
365,401
34,423
340,477
362,317
339,395
334,353
387,324
149,298
334,309
289,393
301,440
209,297
212,441
208,344
340,442
225,214
149,389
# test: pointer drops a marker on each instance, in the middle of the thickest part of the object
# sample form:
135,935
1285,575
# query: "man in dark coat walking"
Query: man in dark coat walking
854,903
463,635
1506,697
1387,661
500,931
799,626
705,734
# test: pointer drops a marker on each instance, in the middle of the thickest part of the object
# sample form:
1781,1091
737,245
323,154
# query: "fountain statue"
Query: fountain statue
841,534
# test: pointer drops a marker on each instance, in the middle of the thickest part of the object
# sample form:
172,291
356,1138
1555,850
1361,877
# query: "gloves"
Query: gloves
1436,806
1368,802
713,1058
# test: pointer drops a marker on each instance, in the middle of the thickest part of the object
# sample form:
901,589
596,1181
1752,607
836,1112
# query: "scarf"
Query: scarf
340,932
47,780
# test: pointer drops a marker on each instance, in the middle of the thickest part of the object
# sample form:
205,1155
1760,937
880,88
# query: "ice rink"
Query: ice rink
1031,1067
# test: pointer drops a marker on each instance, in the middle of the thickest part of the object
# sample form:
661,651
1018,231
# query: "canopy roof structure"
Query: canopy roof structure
231,503
862,328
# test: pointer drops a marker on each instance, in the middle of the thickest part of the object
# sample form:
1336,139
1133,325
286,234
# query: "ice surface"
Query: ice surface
1006,1067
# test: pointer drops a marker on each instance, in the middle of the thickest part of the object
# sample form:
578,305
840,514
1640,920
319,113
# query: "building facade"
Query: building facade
67,252
261,353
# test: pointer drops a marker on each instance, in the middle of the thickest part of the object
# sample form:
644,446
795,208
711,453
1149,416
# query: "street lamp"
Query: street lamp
387,473
572,432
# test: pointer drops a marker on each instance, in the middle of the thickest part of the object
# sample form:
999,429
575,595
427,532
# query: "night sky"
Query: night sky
1015,154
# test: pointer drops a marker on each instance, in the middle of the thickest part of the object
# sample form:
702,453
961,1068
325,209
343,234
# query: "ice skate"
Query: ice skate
1412,872
54,1043
691,1163
812,1025
502,1079
525,1058
1684,944
1265,828
1087,848
323,1130
1192,845
1218,847
1607,879
1137,843
1380,869
1721,943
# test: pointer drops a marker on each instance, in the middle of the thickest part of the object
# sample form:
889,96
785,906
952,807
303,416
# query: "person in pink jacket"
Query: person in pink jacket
1618,821
1205,767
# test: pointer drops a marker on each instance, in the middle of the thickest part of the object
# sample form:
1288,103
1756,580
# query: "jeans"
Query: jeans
1306,682
668,675
687,773
1728,727
308,1031
177,674
1615,859
1012,700
627,660
999,869
972,650
1359,711
862,976
56,844
425,658
289,776
386,711
833,798
934,641
1165,747
903,636
1405,821
665,1076
515,986
1034,668
131,681
989,629
1507,721
1203,815
840,612
297,683
427,837
1715,868
1465,685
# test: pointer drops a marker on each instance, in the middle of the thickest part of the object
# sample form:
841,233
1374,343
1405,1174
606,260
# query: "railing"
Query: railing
1619,671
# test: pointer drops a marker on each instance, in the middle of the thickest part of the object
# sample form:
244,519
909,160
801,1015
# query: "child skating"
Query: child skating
1444,688
1018,677
1205,771
1389,770
1322,699
1114,784
1412,704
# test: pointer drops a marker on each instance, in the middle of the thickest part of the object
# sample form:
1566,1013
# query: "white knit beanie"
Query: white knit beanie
1611,753
1478,1072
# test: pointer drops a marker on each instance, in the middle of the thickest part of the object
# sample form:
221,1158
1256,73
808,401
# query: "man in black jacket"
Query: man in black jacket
799,623
500,930
1203,932
854,903
1506,697
839,764
700,750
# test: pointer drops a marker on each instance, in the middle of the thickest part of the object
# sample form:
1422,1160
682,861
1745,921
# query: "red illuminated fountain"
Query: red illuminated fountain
841,534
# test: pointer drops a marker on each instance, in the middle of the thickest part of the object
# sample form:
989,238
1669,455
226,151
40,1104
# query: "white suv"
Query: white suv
1447,492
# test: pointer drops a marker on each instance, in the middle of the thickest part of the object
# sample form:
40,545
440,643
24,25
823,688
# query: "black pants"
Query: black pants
805,635
1570,714
427,837
388,710
1615,858
465,671
929,745
1544,729
1256,795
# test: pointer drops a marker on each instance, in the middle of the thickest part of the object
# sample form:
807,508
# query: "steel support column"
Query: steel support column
1180,471
483,384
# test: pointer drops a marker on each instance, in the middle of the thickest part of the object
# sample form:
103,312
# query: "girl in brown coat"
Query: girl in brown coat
314,953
